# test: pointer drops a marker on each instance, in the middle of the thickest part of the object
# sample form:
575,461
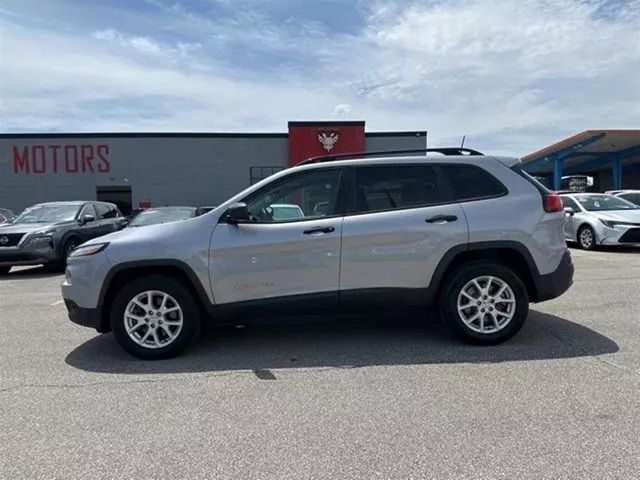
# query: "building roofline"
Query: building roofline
144,135
189,135
573,139
417,133
326,123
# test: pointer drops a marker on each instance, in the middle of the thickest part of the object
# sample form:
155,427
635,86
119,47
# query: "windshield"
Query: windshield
48,214
599,203
161,215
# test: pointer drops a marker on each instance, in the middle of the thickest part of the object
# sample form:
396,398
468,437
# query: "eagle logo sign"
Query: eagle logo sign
328,141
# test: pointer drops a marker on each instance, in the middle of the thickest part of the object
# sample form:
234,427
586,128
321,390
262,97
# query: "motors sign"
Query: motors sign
61,158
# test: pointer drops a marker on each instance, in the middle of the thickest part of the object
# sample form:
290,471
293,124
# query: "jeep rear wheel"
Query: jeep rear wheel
484,303
155,317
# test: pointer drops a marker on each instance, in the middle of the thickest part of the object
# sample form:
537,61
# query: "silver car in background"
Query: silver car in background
632,196
599,219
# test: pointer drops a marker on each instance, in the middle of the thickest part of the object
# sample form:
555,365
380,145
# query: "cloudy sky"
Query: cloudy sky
512,75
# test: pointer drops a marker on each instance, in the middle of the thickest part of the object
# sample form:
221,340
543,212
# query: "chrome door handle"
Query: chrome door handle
442,219
319,230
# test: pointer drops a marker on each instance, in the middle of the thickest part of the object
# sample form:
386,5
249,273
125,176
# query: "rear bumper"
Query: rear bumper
555,283
87,317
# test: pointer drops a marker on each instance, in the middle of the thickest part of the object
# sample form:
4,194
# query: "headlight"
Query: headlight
44,233
608,223
614,224
47,232
89,250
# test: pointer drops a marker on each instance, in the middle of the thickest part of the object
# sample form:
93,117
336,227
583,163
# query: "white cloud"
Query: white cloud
146,45
512,76
341,110
98,90
109,34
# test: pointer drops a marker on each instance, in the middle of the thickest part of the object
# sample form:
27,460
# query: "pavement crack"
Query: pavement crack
125,382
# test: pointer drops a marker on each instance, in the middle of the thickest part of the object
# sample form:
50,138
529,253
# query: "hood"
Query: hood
630,216
152,233
25,227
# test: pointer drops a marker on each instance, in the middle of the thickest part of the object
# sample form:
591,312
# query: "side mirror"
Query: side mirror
569,211
238,213
86,218
121,222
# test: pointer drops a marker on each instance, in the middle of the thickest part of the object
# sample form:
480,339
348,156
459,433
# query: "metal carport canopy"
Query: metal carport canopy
587,152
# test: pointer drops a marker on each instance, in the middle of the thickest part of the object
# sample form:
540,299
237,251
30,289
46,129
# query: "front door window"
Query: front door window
304,196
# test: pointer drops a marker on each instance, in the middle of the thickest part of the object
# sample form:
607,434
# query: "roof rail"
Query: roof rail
344,156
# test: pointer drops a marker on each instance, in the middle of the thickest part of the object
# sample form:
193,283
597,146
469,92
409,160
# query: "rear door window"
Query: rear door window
103,210
107,210
470,182
396,187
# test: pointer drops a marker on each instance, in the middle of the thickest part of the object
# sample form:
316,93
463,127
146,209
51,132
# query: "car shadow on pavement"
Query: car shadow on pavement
345,342
30,273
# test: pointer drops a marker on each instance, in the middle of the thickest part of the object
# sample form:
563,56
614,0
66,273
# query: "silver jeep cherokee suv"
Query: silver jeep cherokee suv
474,234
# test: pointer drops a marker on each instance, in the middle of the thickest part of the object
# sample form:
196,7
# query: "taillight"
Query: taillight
553,203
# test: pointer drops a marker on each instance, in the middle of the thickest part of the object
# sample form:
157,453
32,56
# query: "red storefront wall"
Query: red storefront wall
312,139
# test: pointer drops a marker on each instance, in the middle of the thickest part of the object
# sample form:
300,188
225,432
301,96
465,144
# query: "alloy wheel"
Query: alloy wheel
586,238
486,304
153,319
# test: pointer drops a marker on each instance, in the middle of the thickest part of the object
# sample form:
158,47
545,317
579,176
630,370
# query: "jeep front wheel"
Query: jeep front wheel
155,317
485,303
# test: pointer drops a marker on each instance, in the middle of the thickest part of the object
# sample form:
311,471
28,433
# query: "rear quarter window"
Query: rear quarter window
470,182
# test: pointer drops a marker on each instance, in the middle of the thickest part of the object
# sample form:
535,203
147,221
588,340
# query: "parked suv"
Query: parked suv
474,234
47,232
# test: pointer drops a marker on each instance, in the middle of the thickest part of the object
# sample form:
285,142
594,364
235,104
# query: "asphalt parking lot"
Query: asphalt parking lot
375,397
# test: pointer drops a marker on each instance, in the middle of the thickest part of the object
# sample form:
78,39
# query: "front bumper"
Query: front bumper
35,252
620,235
87,317
557,282
83,280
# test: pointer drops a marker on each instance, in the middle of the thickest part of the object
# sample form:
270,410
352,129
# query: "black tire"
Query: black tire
160,283
586,238
464,274
69,245
4,270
